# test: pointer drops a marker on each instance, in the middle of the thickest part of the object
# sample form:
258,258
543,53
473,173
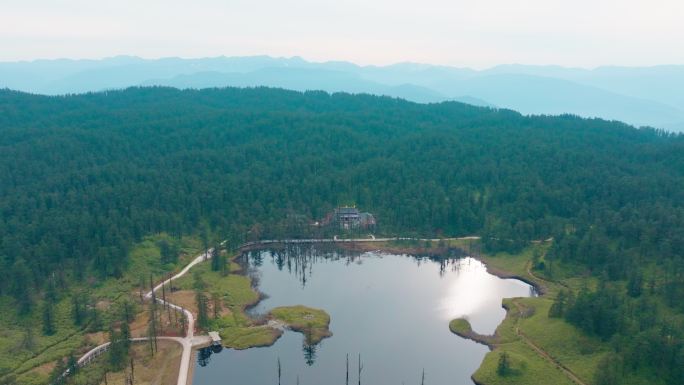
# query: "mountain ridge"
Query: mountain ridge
640,96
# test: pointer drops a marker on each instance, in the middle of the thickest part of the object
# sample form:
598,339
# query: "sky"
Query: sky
464,33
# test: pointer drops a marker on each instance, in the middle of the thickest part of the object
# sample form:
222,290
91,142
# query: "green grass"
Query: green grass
460,326
560,340
527,368
19,359
313,323
235,289
512,263
238,337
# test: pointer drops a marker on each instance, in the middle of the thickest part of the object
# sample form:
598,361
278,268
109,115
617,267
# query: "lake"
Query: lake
393,310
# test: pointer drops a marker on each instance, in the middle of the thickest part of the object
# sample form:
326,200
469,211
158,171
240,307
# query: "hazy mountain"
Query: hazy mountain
659,83
639,96
300,79
76,76
543,95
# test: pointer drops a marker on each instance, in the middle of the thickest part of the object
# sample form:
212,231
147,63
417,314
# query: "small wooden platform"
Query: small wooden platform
215,338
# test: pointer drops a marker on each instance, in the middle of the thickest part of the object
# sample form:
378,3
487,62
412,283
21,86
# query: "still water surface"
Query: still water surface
393,310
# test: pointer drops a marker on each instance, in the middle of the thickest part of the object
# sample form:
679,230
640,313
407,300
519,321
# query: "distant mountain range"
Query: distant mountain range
648,96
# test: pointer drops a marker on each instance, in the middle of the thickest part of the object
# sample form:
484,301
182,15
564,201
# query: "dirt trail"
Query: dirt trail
572,376
187,342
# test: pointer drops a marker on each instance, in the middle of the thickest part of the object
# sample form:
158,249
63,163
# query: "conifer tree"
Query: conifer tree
48,318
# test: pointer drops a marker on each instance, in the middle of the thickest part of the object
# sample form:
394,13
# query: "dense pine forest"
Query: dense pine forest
85,177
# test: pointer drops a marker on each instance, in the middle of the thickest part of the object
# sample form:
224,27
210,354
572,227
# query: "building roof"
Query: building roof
348,210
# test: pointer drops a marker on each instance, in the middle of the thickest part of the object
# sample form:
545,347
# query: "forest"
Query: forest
84,177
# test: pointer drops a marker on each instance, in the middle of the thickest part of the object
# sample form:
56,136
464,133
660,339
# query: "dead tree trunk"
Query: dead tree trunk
346,382
280,372
360,368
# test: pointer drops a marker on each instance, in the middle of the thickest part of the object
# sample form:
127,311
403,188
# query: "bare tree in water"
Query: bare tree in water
347,380
280,371
360,368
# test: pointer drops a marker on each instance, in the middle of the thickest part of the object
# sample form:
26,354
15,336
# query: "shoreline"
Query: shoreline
265,320
540,289
417,251
360,246
364,244
373,245
491,341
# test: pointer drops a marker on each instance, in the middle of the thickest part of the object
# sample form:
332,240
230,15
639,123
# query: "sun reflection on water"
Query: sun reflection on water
469,292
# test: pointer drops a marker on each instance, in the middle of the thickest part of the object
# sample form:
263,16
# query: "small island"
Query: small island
313,323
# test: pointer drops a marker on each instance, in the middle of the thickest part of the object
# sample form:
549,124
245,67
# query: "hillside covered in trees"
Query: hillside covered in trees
84,177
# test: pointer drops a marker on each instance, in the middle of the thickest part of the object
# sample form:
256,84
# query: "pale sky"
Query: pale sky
470,33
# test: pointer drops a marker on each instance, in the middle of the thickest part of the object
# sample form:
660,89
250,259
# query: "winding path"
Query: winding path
187,342
190,340
541,352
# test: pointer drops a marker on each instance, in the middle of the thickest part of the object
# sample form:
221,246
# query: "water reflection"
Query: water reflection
391,309
309,353
467,294
204,354
299,259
